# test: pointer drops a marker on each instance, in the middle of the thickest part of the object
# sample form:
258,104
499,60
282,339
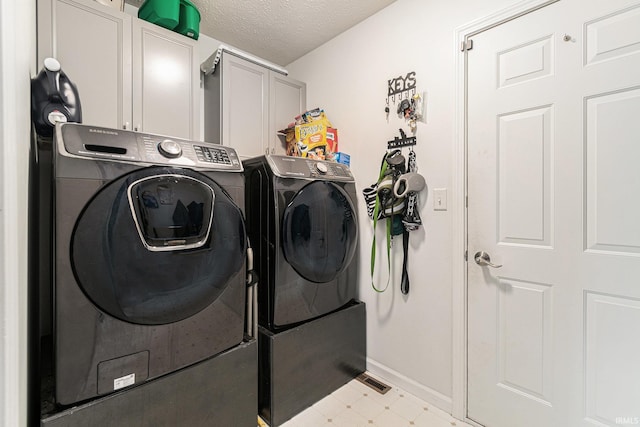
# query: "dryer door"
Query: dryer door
158,245
319,231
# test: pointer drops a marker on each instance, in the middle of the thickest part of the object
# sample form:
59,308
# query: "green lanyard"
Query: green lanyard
376,211
373,252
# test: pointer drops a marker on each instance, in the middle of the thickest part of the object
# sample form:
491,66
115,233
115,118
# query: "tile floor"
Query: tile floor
357,405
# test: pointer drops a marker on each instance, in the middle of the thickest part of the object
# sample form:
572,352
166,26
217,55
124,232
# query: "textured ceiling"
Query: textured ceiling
280,31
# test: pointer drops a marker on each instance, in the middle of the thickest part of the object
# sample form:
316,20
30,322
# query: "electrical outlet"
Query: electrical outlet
439,199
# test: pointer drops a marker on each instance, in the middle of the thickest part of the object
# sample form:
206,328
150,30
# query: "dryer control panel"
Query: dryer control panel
78,140
305,168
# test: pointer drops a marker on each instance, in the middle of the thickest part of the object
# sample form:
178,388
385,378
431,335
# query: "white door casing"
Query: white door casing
554,334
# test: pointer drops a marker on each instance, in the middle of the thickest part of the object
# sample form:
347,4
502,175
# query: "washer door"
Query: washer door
319,231
158,245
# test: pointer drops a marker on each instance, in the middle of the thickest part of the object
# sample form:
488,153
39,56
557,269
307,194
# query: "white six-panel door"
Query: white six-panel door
554,197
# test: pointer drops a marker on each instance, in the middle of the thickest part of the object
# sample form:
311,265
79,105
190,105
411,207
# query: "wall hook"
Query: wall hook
403,141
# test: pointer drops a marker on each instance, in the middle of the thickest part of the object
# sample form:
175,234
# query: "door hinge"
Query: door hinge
466,45
466,256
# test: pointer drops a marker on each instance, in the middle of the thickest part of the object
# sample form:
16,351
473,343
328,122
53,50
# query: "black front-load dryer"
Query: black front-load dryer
149,250
303,227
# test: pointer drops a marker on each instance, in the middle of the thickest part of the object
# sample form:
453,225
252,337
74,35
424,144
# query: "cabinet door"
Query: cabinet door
92,43
288,98
166,82
245,117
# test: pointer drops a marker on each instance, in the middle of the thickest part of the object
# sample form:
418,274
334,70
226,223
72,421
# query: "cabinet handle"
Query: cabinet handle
136,128
125,126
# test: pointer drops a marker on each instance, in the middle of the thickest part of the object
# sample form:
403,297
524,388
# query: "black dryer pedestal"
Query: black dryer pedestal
300,366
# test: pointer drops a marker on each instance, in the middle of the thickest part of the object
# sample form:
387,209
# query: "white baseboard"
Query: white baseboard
420,391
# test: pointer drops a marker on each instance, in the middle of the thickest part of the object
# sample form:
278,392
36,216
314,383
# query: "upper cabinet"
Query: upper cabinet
93,46
130,74
245,104
166,82
287,99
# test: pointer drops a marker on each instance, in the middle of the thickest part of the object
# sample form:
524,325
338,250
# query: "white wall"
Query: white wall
409,338
17,58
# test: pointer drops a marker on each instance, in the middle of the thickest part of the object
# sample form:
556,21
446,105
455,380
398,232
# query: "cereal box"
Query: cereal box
311,135
311,138
343,158
332,140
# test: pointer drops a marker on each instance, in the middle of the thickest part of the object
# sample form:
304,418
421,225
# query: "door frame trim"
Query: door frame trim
459,193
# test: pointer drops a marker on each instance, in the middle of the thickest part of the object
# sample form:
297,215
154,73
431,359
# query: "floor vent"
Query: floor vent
378,386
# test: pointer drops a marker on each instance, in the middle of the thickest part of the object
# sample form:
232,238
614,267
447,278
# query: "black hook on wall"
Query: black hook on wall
403,141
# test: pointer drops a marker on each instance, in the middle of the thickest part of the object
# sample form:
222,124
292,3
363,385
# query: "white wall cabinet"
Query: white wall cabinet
246,104
130,74
287,99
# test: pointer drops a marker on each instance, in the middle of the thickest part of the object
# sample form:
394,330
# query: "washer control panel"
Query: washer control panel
212,154
122,145
158,149
305,168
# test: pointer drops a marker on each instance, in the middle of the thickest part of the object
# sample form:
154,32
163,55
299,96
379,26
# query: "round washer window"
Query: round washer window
114,259
319,231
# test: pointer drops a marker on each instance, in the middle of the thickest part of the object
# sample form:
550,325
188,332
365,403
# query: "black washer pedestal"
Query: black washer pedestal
221,391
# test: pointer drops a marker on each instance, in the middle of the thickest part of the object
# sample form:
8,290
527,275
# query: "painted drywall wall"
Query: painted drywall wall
17,64
409,338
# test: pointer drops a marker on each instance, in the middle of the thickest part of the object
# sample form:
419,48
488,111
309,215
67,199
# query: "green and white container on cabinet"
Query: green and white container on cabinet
165,13
180,16
189,23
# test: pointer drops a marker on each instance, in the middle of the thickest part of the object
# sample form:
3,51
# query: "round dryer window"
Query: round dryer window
158,245
319,231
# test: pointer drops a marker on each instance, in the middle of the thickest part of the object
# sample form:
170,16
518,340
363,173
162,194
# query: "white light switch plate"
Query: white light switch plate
422,113
439,199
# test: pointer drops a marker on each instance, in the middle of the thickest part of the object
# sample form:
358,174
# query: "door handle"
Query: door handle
482,258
